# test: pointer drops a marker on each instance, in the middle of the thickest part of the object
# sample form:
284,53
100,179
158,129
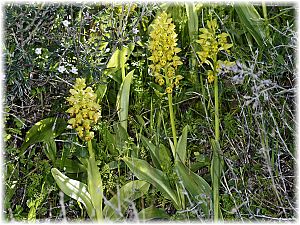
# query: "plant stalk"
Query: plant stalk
90,148
172,120
217,118
217,138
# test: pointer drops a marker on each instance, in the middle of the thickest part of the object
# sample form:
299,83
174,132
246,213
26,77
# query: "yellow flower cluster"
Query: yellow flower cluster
212,43
84,111
120,7
163,46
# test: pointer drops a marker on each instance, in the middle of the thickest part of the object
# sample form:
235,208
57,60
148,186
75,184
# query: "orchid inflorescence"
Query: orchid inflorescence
163,46
211,44
84,110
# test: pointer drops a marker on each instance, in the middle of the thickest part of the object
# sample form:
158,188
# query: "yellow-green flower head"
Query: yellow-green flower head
211,43
84,110
163,47
119,8
210,76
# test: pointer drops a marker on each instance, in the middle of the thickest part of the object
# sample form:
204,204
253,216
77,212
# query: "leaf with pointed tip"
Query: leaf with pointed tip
192,22
144,171
119,57
123,99
181,146
252,22
152,149
94,182
101,89
50,149
128,193
44,130
195,185
172,148
74,189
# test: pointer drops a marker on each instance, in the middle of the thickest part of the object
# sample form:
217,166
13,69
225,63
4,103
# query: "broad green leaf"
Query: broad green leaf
180,191
101,90
123,99
198,188
118,60
152,149
192,21
94,184
109,141
74,189
192,16
44,130
198,165
252,22
151,213
181,146
159,154
50,149
119,203
114,60
163,155
114,74
119,57
121,137
70,166
125,53
144,171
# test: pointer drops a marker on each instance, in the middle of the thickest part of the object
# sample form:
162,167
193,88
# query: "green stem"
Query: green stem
123,72
217,138
217,118
264,7
90,148
172,120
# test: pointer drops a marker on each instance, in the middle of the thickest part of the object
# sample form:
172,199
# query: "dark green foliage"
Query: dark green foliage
47,46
